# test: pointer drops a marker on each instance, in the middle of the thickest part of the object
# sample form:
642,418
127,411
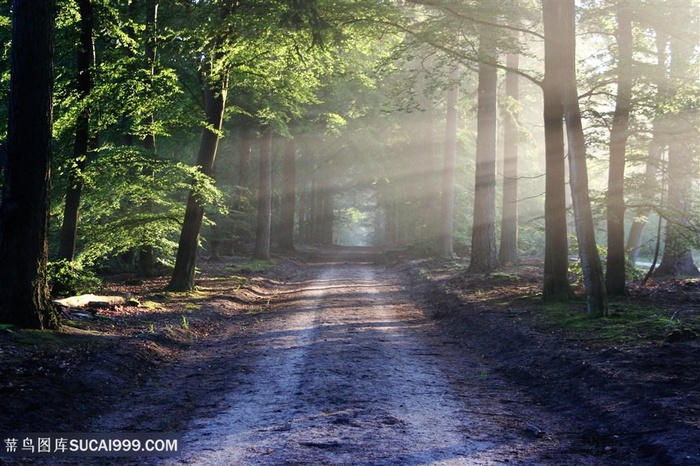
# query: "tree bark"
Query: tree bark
289,194
508,252
484,255
146,252
593,278
556,257
215,91
24,295
447,200
262,232
615,265
85,59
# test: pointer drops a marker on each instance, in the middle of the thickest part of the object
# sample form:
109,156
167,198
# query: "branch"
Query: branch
478,21
457,55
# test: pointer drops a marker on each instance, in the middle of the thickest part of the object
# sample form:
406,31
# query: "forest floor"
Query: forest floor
351,357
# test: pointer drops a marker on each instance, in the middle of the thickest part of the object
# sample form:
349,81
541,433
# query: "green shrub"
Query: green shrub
68,278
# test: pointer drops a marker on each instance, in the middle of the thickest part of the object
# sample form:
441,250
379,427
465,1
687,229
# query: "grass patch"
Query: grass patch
627,323
251,266
36,337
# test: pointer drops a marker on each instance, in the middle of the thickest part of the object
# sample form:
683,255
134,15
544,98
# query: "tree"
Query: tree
483,251
289,194
583,217
508,251
85,60
556,258
215,92
615,265
146,252
262,232
447,207
24,295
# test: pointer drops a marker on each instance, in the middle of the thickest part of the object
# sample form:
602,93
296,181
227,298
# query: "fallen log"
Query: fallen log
90,300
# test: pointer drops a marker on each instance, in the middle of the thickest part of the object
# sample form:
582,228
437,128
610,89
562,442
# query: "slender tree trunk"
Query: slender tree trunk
24,212
556,257
69,228
508,252
289,196
578,173
447,207
484,254
214,104
615,265
244,162
146,252
262,232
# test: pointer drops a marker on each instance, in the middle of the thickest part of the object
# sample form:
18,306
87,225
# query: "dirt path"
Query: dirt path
341,379
345,369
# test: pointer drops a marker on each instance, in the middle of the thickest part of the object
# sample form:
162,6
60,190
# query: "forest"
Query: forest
448,127
158,142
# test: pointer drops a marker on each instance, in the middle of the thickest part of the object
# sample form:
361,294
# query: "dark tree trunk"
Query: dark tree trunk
578,173
615,265
69,228
146,253
447,207
508,252
484,254
214,105
24,295
289,195
262,232
556,257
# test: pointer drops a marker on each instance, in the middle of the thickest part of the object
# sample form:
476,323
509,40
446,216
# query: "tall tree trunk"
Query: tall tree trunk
578,173
69,228
556,257
244,162
508,252
677,259
447,204
262,232
484,255
24,294
615,265
289,195
146,252
215,90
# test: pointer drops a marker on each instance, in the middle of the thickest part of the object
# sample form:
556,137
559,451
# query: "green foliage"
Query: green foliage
132,199
68,278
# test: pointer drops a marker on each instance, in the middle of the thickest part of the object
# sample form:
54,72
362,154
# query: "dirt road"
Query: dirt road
345,370
337,360
341,378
